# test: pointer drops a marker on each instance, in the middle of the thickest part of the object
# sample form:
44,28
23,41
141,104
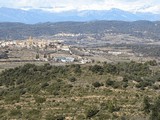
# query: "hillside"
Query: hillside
122,91
141,29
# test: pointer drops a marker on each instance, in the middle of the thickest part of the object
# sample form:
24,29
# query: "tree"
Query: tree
151,62
45,56
109,68
155,111
97,69
37,56
146,105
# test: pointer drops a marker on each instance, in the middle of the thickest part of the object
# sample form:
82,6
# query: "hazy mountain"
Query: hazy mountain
36,15
142,29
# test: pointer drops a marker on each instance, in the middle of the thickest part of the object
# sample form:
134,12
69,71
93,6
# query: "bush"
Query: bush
72,79
12,98
109,83
151,62
77,69
44,85
15,112
155,110
125,85
146,105
39,99
34,114
91,112
60,118
155,87
2,110
109,68
112,107
126,78
49,117
52,117
97,69
116,85
97,84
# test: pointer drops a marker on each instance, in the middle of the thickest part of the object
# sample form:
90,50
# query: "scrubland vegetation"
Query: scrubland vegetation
120,91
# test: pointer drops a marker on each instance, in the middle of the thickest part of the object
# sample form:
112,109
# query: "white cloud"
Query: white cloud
154,9
62,5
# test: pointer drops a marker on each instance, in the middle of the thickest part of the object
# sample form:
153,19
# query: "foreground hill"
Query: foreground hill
123,91
142,29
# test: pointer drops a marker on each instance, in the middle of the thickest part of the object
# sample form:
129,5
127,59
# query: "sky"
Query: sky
65,5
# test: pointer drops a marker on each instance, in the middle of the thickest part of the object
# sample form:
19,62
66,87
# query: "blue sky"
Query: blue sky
63,5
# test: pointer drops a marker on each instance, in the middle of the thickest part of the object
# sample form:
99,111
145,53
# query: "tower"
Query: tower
30,41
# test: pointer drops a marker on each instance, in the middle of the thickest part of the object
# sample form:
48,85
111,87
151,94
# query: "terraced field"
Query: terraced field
80,92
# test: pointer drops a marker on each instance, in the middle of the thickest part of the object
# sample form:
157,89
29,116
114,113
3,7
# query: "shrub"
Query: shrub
109,68
34,114
112,107
44,85
97,84
72,79
151,62
125,85
15,112
155,110
50,117
2,110
77,69
156,87
110,83
91,112
39,99
97,69
12,98
126,78
58,117
146,105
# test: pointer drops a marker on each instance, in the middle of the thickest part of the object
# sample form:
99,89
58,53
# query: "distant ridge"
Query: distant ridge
33,16
142,29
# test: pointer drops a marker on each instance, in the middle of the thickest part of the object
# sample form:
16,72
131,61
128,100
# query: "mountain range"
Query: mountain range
33,16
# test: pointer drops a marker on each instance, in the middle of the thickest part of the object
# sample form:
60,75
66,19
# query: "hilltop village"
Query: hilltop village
40,50
58,51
